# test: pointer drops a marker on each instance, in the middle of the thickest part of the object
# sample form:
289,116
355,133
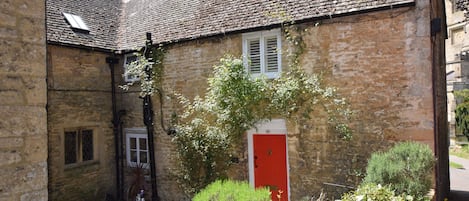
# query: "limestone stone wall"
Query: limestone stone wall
379,61
23,132
187,65
79,97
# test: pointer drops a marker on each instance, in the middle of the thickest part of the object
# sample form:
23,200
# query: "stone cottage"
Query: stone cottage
385,57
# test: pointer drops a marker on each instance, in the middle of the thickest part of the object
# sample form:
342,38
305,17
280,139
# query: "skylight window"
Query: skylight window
76,22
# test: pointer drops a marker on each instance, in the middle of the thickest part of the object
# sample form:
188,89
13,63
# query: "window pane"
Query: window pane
128,61
143,144
80,22
254,55
133,143
143,157
70,147
133,156
87,145
271,57
71,20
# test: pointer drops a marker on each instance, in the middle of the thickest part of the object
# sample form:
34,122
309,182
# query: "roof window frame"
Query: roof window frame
76,22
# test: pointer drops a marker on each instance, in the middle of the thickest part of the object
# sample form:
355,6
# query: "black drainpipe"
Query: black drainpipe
148,121
121,153
116,122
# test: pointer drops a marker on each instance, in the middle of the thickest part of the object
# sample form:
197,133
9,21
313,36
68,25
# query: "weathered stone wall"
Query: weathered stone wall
380,61
186,66
79,96
23,132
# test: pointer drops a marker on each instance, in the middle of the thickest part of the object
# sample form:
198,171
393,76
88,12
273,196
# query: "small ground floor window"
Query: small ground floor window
137,147
78,145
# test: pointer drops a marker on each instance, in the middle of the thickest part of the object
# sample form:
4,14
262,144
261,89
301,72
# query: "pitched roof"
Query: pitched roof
125,26
101,16
175,20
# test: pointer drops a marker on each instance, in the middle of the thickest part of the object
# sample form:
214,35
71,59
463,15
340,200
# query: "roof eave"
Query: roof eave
83,47
299,21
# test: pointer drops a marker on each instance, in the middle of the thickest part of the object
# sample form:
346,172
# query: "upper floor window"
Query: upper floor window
129,58
79,145
137,148
262,53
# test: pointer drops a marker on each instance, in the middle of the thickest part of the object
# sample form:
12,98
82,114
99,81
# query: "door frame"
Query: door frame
272,127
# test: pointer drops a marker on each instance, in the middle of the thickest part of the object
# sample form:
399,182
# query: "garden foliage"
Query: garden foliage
148,70
406,168
462,112
373,192
228,190
234,103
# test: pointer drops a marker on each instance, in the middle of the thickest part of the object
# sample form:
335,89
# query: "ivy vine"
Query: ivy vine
150,83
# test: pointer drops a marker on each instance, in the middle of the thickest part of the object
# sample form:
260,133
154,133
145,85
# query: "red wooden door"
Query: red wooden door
270,164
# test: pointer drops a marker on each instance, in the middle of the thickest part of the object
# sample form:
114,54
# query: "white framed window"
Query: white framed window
137,148
262,53
79,146
76,22
129,58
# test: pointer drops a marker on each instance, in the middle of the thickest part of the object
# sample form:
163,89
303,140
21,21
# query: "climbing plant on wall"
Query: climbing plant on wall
150,83
211,125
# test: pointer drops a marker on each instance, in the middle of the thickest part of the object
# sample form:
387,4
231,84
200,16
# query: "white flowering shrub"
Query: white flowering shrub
234,102
149,70
374,192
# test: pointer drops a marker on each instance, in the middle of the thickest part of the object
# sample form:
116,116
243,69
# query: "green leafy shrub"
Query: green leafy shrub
462,112
228,190
406,168
375,193
462,118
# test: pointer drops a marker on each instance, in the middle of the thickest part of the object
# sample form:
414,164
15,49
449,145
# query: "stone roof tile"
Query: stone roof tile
99,15
122,24
176,20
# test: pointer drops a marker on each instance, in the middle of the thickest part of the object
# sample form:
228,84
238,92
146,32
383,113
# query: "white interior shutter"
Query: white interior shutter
271,54
254,55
